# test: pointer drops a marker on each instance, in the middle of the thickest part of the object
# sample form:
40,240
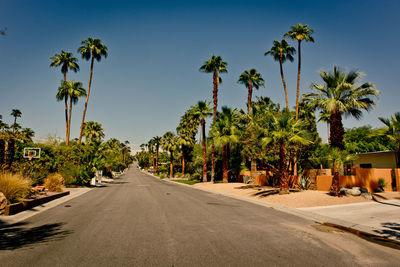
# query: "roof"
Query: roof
376,152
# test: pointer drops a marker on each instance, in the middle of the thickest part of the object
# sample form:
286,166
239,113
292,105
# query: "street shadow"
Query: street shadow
392,230
266,193
384,203
18,235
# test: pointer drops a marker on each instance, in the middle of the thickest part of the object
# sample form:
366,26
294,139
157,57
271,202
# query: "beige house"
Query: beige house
378,160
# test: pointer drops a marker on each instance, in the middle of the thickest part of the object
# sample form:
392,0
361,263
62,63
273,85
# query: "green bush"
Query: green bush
195,177
381,183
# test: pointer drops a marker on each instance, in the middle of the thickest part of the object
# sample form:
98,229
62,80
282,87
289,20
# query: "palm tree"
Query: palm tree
27,134
3,127
170,144
93,132
203,110
392,131
299,32
251,78
92,48
286,130
74,90
282,51
16,113
341,95
226,131
157,141
214,65
67,62
338,157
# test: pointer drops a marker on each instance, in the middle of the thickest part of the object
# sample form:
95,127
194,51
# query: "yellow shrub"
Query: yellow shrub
14,186
54,182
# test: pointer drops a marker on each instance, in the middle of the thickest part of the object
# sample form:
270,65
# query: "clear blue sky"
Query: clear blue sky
156,48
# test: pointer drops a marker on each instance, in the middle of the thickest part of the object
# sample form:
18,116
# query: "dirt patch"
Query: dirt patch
296,199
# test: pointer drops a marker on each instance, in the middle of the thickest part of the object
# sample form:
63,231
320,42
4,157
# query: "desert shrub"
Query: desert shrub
14,186
178,175
381,183
74,172
54,182
304,183
162,176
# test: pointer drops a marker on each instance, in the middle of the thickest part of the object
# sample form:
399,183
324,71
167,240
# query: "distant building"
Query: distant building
378,160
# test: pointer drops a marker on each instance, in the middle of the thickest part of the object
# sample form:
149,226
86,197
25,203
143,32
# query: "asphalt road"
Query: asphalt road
138,220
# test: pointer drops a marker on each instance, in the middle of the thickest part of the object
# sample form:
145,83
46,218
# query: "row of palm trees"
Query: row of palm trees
90,49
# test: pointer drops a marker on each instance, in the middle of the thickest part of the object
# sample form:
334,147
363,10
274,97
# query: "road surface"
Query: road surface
138,220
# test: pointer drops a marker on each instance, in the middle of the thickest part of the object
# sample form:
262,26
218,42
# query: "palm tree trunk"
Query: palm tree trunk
284,182
215,98
157,159
87,99
298,82
224,164
69,117
283,81
334,190
10,153
249,97
183,163
336,130
203,129
66,115
171,165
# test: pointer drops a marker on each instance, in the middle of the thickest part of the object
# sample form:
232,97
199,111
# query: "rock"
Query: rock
363,190
355,191
38,189
3,201
367,195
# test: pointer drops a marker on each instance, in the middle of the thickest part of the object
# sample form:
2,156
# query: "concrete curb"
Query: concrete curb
363,231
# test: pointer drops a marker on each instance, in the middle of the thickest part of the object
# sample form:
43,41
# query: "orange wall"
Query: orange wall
367,178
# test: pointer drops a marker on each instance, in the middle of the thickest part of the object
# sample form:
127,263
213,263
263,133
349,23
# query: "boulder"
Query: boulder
367,195
355,191
38,189
3,201
363,190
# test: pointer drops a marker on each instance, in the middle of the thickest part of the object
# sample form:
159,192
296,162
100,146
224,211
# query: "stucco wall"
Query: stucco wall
384,160
367,178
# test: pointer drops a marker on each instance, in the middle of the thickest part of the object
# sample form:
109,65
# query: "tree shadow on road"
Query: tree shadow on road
392,230
18,235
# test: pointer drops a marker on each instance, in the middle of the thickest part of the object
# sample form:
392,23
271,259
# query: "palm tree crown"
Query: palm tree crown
251,78
281,51
341,95
300,32
66,61
92,47
93,131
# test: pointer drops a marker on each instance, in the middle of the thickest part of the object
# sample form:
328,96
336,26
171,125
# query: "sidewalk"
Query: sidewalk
380,218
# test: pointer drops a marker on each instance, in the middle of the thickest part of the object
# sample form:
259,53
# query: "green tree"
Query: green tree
392,131
91,49
203,110
250,78
157,141
226,130
341,95
27,134
282,51
285,130
214,65
93,132
16,113
170,144
299,32
67,62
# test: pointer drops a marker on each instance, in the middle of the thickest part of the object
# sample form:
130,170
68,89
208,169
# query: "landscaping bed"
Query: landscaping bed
30,203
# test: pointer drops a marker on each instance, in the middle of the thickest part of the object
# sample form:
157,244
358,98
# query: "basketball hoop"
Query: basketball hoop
32,153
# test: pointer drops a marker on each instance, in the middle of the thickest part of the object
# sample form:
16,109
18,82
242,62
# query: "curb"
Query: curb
364,232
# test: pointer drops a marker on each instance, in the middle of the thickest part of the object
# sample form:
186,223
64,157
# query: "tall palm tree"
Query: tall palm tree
203,110
225,131
285,130
251,78
214,65
93,132
341,95
157,141
16,113
170,144
74,90
67,62
299,32
282,51
92,48
392,131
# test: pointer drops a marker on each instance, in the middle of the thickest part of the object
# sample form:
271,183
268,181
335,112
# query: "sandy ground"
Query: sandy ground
310,198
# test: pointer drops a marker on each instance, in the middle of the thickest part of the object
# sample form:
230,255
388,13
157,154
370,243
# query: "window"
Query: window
366,165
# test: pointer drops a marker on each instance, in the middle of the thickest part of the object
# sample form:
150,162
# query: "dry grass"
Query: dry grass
14,186
54,182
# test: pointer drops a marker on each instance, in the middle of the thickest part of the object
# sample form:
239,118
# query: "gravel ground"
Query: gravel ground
310,198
